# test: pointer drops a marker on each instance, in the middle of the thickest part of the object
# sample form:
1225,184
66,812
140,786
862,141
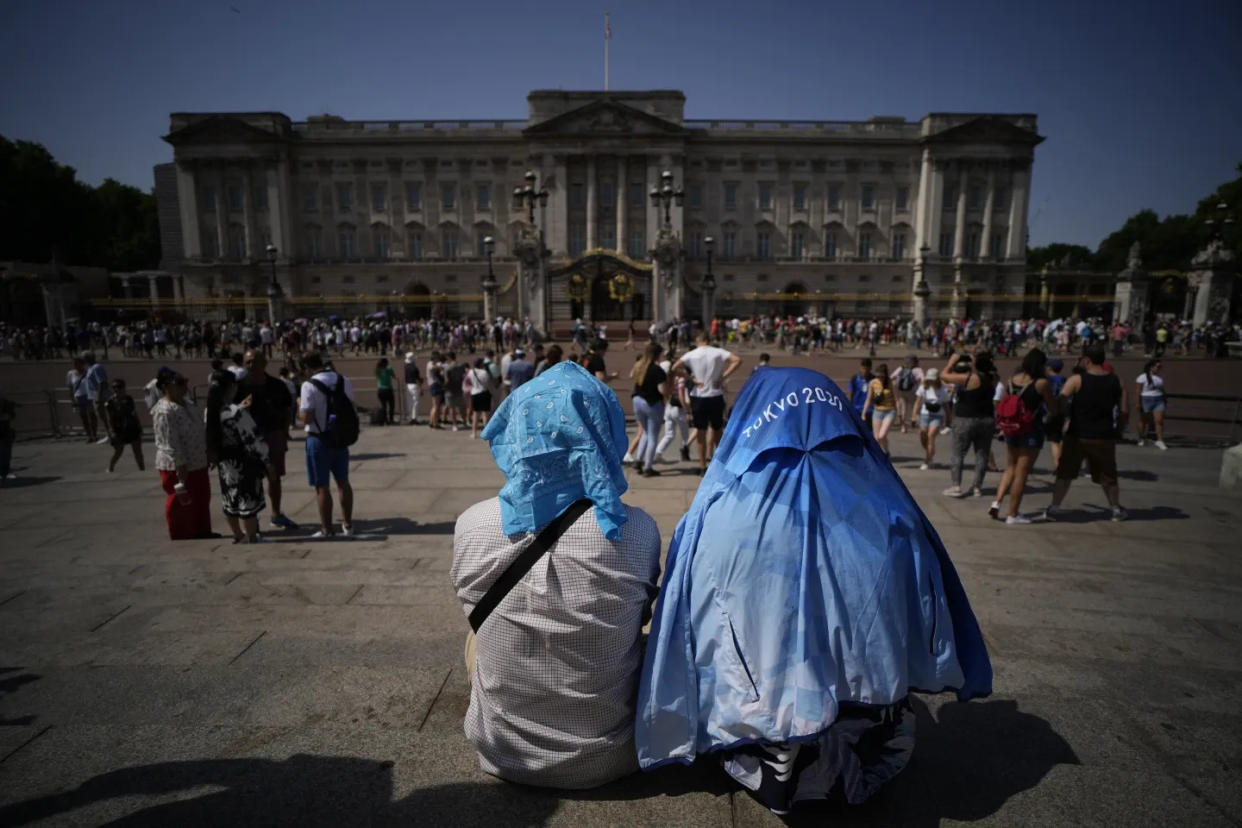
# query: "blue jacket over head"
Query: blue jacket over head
804,575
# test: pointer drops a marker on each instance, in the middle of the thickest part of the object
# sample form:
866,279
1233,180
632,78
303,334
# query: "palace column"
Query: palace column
989,202
187,205
922,227
591,209
1018,197
959,235
622,186
221,236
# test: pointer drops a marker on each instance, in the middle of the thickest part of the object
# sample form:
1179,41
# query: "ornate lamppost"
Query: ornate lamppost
665,194
529,194
708,286
921,288
1210,280
489,282
530,250
274,291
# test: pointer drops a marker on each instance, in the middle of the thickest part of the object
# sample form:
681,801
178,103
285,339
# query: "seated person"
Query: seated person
806,596
555,664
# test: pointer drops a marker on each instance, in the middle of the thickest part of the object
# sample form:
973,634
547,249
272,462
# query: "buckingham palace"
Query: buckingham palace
603,205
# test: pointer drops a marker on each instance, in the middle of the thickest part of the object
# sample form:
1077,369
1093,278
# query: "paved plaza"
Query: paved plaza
321,683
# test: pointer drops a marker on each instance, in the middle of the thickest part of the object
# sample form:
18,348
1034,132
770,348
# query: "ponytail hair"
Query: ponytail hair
219,396
1151,363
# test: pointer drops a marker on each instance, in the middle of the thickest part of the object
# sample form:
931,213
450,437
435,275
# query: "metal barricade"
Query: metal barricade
1204,408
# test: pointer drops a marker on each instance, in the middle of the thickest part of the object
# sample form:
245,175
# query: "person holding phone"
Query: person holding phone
181,458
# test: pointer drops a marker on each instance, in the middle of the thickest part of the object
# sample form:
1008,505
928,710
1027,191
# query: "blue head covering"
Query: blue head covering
803,576
559,438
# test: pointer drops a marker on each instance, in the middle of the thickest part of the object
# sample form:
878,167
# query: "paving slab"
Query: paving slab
321,683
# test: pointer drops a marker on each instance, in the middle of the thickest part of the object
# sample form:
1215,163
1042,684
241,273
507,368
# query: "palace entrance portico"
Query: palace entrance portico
600,286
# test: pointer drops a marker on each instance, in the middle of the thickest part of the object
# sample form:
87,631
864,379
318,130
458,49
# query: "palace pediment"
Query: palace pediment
605,118
986,129
221,129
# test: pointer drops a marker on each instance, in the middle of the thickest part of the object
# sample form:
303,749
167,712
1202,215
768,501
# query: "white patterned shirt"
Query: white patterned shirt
557,662
180,436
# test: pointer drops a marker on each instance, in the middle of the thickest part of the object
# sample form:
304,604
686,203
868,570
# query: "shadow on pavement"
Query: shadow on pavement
405,526
965,767
11,684
23,482
1141,475
375,455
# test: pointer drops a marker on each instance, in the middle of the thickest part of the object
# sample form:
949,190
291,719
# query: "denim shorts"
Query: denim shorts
323,462
928,420
1033,440
1151,404
883,414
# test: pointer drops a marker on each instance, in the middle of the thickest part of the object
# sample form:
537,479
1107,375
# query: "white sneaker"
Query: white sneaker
101,441
954,491
922,467
1160,445
1142,442
347,530
454,428
1119,514
1052,512
976,492
321,534
628,458
1017,519
994,510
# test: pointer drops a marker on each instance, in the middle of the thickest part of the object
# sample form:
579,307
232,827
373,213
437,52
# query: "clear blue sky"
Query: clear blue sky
1141,102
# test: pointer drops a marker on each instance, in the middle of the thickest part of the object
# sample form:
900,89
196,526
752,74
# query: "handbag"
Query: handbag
518,569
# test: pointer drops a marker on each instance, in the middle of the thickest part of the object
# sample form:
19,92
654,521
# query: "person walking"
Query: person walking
126,428
454,390
1150,391
181,459
384,376
1098,411
237,450
413,387
973,423
75,379
1020,416
97,392
709,367
648,398
435,387
881,402
271,406
479,381
325,459
859,385
1054,425
675,417
931,402
908,381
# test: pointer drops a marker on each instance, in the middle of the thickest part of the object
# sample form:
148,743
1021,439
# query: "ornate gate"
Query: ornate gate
601,285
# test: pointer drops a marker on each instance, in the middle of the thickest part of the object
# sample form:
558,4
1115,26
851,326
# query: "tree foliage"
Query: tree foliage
1059,255
46,213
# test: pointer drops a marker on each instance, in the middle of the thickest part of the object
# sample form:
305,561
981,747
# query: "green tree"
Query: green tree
1057,254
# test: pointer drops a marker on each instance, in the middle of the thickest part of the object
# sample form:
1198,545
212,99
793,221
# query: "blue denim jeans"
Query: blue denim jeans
650,418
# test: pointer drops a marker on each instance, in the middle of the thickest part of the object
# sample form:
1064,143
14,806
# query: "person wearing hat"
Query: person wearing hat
931,403
413,386
520,370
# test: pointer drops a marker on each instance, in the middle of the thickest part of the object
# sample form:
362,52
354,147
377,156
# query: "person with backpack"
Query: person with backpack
126,429
1020,420
454,394
327,411
908,380
932,403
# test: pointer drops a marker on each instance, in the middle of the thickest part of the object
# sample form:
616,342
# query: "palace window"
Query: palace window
314,243
209,245
730,195
974,197
830,244
729,247
695,196
763,245
903,199
799,196
414,244
237,242
1000,201
636,198
864,245
797,242
483,197
480,246
638,243
577,194
834,197
344,198
448,243
607,199
346,242
998,245
696,244
448,196
765,196
577,239
608,236
972,244
207,199
949,202
413,195
868,196
946,243
899,245
310,197
379,198
381,242
260,197
234,192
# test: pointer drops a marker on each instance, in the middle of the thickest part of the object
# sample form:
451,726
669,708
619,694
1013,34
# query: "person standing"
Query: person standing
1031,388
181,458
930,405
1097,414
881,401
97,392
1149,388
859,385
520,371
239,453
908,381
324,460
709,367
126,428
75,379
1054,425
435,387
973,423
384,376
454,393
479,381
413,386
648,398
270,407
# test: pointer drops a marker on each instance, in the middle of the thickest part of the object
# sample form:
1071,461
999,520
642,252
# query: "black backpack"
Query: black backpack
906,381
455,376
341,429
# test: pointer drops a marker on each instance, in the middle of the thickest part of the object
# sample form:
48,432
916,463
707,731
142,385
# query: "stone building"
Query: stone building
829,216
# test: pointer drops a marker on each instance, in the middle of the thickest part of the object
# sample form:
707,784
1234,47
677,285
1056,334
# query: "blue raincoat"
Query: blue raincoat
804,575
559,438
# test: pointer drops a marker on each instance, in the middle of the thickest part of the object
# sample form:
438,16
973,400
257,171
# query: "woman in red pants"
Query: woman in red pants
181,457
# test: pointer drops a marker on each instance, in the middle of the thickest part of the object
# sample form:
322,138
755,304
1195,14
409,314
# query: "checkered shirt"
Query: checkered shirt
557,662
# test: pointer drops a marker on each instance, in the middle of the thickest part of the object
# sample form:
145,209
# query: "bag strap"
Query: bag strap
518,569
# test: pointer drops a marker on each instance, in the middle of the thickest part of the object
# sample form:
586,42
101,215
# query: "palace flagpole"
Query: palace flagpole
607,37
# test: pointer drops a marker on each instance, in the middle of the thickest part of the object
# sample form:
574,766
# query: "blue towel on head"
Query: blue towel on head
803,576
560,438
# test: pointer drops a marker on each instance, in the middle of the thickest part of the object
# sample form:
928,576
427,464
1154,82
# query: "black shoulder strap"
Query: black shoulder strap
518,569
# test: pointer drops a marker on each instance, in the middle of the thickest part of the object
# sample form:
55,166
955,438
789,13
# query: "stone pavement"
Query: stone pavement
303,682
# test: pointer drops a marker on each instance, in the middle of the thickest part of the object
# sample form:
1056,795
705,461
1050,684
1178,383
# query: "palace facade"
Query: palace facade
878,217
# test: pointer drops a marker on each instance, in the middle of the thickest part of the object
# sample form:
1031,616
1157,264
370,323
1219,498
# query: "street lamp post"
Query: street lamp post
489,282
921,288
274,291
708,286
529,194
665,194
530,249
